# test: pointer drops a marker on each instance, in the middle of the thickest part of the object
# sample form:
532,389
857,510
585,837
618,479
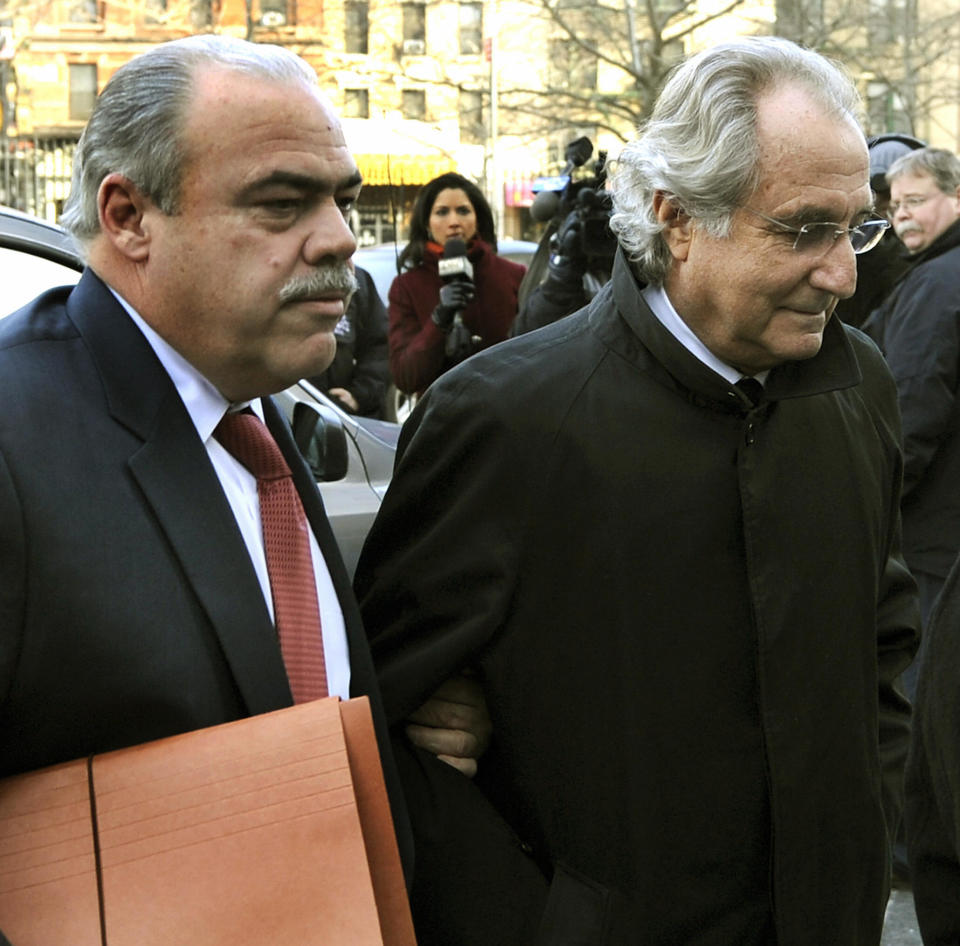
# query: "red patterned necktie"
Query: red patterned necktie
287,544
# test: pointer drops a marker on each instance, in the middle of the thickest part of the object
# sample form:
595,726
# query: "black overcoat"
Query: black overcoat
687,614
932,808
918,331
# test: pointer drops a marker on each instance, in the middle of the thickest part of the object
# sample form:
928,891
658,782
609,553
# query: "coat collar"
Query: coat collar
948,240
171,466
475,251
833,368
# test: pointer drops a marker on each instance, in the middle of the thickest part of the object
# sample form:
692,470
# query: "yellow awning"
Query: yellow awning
397,169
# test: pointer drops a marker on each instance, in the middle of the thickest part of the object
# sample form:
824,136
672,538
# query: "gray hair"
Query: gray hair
699,148
938,163
137,121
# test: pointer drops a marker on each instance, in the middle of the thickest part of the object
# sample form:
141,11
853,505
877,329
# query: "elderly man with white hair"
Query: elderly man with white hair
663,535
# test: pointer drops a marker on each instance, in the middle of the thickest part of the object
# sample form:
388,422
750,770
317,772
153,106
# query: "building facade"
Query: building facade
492,88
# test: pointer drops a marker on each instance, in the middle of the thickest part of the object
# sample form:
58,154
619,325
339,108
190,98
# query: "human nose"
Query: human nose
329,236
836,270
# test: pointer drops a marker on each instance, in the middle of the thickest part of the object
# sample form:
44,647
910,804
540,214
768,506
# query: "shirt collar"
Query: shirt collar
661,306
204,403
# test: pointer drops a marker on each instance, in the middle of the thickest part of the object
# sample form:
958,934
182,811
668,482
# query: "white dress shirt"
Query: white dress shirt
661,306
206,407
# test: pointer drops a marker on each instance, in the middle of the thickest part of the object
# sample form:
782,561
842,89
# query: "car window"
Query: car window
24,276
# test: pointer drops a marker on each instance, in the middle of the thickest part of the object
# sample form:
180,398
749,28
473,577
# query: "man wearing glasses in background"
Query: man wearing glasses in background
918,331
664,535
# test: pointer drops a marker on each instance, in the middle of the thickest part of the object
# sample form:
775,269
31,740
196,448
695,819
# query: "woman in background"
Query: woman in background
434,325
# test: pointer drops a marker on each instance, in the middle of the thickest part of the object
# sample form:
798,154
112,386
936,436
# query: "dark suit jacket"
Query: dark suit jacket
129,609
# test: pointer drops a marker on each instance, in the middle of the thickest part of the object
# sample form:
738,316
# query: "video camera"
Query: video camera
586,199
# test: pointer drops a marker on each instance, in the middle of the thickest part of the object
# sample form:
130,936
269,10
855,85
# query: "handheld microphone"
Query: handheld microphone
577,153
454,265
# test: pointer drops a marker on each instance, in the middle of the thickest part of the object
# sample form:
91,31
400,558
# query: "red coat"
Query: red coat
417,344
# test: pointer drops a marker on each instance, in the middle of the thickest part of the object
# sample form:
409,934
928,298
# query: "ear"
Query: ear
122,207
677,225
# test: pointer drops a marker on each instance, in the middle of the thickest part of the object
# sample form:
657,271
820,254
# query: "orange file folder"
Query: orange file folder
269,830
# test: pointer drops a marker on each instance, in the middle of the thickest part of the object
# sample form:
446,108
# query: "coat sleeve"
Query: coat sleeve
547,303
371,372
933,777
922,348
898,622
898,610
416,343
434,581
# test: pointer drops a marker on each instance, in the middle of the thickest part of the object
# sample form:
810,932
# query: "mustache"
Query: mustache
907,228
336,278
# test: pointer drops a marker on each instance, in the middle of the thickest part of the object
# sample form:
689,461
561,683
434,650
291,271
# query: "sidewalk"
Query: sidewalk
900,927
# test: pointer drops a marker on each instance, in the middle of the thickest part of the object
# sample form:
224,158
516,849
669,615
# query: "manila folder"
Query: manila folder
273,830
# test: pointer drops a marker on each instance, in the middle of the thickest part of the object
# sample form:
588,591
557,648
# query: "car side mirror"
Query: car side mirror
321,440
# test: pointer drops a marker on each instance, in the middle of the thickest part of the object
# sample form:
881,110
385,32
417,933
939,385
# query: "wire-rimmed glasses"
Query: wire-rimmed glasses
817,238
908,203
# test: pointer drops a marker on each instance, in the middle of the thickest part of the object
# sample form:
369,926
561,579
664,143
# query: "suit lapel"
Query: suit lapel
179,484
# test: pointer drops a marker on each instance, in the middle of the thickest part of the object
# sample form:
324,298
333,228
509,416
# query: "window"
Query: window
83,90
572,67
415,104
357,27
83,11
273,13
800,20
885,109
201,15
356,103
887,21
472,129
155,11
414,29
471,29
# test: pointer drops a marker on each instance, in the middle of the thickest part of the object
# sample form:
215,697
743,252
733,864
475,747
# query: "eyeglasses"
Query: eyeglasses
817,238
909,203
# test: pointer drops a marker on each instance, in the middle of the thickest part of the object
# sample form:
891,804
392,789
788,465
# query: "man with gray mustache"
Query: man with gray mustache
327,279
921,340
138,597
918,329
